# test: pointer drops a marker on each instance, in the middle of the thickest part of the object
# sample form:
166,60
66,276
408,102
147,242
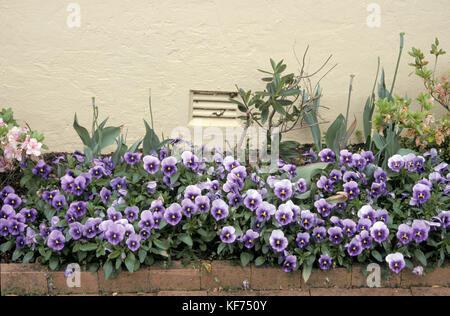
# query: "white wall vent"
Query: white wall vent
213,108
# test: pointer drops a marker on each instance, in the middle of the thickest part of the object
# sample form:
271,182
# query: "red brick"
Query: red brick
338,277
88,283
125,282
177,277
182,293
360,292
29,279
285,293
233,293
223,274
439,276
358,279
274,279
430,291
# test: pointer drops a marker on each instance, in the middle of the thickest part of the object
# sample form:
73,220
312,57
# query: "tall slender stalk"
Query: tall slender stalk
348,101
150,106
398,62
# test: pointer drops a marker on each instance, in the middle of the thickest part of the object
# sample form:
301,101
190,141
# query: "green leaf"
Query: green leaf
54,263
377,256
306,272
130,261
246,257
82,132
16,254
151,141
88,247
108,136
108,269
308,171
334,133
260,261
28,257
221,248
6,246
420,257
162,244
142,255
187,240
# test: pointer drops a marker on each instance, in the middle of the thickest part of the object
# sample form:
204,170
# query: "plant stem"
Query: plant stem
348,101
398,62
150,106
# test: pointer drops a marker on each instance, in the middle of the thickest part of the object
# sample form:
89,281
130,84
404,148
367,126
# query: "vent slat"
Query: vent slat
214,106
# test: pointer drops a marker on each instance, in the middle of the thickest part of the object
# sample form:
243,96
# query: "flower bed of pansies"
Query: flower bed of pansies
331,212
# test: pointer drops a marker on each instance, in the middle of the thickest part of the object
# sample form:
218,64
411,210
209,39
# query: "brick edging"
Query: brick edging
201,276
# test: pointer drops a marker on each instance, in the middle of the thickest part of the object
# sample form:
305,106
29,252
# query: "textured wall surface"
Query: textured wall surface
48,70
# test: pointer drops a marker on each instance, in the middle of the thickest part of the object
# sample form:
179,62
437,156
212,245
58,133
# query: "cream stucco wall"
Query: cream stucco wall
122,48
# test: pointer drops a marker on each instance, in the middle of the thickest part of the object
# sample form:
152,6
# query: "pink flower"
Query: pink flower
34,147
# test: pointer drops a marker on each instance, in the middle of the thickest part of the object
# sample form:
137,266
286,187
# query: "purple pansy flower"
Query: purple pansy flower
444,217
42,169
265,210
349,227
132,158
132,213
395,163
56,240
173,214
290,263
59,201
188,207
421,194
420,230
368,212
190,160
396,262
346,157
151,164
277,240
325,262
234,199
13,199
350,176
354,248
359,162
352,190
283,189
249,238
319,233
230,163
147,222
300,186
380,175
323,207
368,156
284,214
79,208
335,235
364,224
219,209
5,191
335,175
29,214
291,170
76,230
303,239
79,184
202,203
133,242
169,166
327,155
379,232
192,192
118,183
252,200
366,239
115,233
326,184
307,219
404,234
228,234
157,207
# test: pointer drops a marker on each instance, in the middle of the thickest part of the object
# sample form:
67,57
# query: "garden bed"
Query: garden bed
218,277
